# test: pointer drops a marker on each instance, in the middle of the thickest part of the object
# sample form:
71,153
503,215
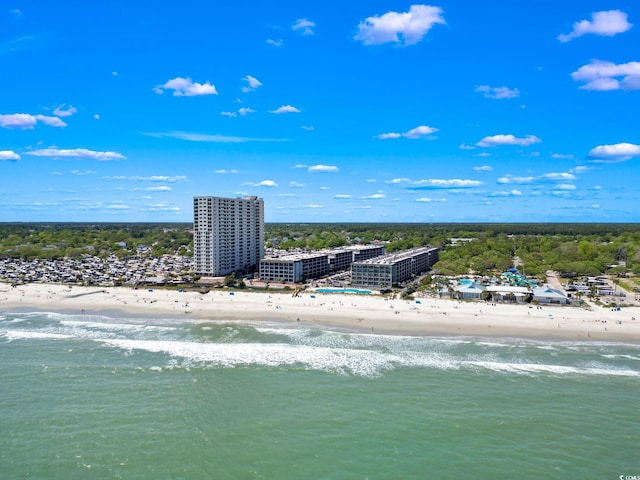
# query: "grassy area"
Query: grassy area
625,285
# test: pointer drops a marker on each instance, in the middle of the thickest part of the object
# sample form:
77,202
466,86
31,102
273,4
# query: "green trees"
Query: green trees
58,240
572,249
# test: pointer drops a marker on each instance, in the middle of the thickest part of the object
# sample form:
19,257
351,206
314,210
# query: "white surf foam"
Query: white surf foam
362,362
358,362
110,327
26,334
535,368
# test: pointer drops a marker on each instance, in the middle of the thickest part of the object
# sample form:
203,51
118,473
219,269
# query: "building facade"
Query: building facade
339,259
389,270
342,258
228,234
294,268
365,252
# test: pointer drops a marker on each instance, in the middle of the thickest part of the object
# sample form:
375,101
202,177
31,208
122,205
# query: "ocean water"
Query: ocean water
84,396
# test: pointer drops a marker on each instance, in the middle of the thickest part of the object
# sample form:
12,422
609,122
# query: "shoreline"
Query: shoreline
348,312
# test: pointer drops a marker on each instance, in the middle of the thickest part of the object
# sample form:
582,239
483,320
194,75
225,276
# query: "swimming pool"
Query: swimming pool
344,290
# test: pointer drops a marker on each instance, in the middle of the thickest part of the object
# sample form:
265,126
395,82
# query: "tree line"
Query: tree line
73,240
481,248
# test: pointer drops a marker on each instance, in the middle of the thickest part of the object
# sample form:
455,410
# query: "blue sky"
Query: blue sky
390,111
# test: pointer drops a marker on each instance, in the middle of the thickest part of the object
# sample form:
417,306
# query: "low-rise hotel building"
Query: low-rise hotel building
294,268
339,259
305,266
389,270
365,252
342,258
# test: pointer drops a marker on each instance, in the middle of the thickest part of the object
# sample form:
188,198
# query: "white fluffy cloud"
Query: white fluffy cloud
26,121
151,178
64,111
445,183
420,132
399,27
303,26
496,140
558,176
507,193
323,168
387,136
414,133
398,181
51,121
76,153
375,196
342,196
8,155
510,179
429,199
18,120
579,169
483,168
118,206
615,153
603,76
435,183
185,87
159,188
205,137
498,93
285,109
266,183
606,23
544,178
161,207
252,84
241,111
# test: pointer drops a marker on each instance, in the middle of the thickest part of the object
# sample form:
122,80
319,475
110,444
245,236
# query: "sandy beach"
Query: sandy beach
346,311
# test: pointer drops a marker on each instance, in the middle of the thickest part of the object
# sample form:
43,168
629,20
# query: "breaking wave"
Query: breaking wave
242,344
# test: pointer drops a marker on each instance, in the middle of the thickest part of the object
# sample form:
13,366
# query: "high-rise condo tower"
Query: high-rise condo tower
228,234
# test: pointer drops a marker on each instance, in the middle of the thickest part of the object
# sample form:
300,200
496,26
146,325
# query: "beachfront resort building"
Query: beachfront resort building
470,290
228,234
389,270
341,258
294,268
305,266
548,295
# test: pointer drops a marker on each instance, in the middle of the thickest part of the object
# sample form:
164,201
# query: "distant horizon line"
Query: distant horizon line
62,222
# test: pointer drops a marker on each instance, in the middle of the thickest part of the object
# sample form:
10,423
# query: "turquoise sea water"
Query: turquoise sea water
86,396
344,290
